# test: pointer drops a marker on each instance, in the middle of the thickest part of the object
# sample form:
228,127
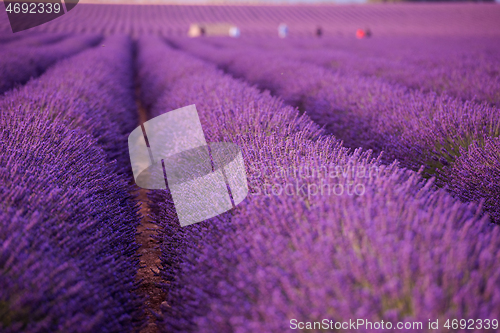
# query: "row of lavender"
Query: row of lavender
467,68
29,39
29,57
392,249
67,219
444,134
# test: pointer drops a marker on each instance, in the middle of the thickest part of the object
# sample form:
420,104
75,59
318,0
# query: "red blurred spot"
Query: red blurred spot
360,33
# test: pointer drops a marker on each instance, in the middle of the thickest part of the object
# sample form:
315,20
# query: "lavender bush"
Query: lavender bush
475,175
414,127
68,219
386,256
401,251
462,67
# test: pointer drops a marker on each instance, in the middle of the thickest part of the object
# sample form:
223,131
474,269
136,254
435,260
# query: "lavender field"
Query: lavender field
373,168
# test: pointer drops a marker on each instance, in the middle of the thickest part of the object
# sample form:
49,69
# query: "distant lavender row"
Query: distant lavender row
461,67
414,127
467,68
30,39
67,219
9,37
19,63
400,251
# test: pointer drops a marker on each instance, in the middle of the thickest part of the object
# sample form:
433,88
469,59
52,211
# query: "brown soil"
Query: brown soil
149,251
150,262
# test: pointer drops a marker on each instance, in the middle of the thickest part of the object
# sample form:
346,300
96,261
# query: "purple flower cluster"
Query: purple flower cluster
401,251
67,218
475,175
22,60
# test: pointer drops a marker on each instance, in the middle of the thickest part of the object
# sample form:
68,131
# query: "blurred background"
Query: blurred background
336,18
269,1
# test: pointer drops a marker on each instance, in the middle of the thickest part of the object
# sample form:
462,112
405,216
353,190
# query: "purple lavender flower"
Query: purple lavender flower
475,175
68,218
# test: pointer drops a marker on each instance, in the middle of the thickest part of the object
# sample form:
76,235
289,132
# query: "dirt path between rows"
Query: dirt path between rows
149,251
